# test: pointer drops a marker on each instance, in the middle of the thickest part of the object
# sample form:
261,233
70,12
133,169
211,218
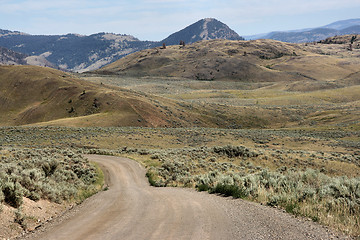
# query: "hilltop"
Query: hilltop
204,29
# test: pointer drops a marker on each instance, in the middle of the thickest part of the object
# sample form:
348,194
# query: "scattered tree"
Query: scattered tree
353,38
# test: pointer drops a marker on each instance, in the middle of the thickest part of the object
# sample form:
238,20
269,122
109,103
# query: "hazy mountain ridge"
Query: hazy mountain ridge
342,24
81,53
313,35
343,27
10,33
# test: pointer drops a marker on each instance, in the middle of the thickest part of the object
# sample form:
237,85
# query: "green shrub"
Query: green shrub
292,208
229,190
150,177
13,194
233,151
203,187
2,197
20,218
50,167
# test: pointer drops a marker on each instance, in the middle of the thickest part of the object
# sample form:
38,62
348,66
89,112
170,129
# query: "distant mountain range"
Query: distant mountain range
344,27
80,53
74,52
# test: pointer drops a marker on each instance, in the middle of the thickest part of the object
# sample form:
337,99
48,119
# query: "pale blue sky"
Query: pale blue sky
156,19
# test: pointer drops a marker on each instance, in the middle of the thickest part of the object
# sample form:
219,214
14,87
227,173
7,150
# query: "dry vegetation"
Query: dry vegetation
267,121
46,177
308,172
36,95
243,61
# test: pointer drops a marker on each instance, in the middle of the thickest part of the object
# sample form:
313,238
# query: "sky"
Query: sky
156,19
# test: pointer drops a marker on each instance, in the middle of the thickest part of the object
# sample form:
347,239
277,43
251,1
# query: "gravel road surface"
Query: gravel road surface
130,209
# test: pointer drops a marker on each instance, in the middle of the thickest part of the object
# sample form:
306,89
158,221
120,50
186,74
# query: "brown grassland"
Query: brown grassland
270,122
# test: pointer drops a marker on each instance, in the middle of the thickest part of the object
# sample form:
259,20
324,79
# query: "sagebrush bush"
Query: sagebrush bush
52,174
229,190
309,192
13,194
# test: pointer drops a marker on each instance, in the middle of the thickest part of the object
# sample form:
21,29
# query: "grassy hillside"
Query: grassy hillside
217,83
43,96
245,61
32,94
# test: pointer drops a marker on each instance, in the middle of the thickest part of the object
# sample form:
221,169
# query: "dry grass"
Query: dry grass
261,99
187,154
311,98
244,61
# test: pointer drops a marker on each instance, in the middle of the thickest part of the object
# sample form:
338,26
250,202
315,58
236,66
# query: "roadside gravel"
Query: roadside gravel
131,209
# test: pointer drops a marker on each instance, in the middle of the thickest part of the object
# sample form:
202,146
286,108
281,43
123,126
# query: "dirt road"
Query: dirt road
131,209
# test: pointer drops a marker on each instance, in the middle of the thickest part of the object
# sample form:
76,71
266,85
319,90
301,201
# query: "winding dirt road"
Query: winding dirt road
131,209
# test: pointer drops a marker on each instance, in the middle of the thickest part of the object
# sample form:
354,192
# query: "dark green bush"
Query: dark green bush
50,167
13,194
229,190
292,208
203,187
150,176
235,151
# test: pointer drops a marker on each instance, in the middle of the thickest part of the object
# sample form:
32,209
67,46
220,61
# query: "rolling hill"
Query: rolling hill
31,94
267,82
244,61
44,96
215,83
